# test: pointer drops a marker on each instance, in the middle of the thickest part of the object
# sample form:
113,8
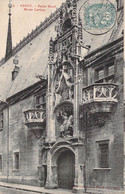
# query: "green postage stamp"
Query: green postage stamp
98,17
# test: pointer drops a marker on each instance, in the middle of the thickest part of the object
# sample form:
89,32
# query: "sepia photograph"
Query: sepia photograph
62,98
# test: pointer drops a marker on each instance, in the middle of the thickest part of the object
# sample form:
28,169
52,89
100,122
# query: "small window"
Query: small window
16,160
41,101
105,73
38,101
1,121
103,155
120,4
110,70
99,74
0,162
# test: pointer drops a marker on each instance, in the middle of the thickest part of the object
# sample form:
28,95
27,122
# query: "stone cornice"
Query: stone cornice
27,91
113,47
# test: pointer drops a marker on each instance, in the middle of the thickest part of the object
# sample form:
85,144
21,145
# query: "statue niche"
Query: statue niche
64,86
66,129
65,122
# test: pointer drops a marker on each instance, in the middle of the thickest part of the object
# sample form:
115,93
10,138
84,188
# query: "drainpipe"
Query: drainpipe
7,142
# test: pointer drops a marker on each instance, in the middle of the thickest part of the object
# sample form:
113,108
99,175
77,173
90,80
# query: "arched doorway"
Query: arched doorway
66,169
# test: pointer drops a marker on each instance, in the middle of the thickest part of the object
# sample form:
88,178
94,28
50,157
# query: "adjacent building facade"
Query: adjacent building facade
61,108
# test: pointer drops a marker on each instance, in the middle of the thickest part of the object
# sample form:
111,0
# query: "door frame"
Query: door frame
72,166
57,149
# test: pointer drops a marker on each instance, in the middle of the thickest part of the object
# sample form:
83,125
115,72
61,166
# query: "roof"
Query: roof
33,57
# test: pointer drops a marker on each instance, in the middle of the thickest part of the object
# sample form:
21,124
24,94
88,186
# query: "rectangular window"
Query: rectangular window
38,101
41,101
110,70
16,160
105,73
0,162
120,4
1,121
99,73
103,155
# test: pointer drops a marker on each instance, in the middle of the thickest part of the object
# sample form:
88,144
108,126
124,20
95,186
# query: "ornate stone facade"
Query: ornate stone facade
74,107
67,128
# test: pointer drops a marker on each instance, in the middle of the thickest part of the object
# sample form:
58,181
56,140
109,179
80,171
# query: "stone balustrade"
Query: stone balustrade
34,118
100,92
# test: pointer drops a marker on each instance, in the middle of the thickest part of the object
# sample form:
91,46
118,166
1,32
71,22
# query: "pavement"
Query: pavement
42,190
34,189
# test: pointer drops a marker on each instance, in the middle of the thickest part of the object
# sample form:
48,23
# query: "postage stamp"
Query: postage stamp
98,17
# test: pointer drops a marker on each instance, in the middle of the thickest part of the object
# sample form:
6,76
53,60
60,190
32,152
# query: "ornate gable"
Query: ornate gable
67,17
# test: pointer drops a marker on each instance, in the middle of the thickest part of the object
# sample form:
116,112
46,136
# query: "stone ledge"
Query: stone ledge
101,168
104,191
79,190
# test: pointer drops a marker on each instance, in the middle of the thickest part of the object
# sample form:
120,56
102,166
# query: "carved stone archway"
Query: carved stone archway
57,150
58,159
52,161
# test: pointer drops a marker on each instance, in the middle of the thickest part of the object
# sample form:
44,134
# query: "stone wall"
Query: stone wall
23,140
112,177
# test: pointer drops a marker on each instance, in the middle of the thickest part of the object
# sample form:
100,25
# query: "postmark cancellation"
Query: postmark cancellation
98,17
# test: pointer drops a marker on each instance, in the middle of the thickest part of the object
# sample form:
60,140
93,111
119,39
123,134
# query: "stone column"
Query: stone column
79,173
76,101
50,97
76,167
41,175
49,172
51,181
50,119
54,176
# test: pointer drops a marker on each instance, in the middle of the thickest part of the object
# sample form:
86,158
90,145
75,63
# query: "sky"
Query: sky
26,15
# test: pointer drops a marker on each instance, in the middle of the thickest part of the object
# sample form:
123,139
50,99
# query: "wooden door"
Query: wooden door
66,170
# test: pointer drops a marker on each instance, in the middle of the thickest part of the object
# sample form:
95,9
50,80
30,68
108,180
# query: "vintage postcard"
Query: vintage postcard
62,96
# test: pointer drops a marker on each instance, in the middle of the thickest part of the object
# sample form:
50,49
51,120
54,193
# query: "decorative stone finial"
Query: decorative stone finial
9,36
10,6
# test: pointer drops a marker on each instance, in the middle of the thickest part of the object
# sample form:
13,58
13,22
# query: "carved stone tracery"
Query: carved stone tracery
62,69
67,17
